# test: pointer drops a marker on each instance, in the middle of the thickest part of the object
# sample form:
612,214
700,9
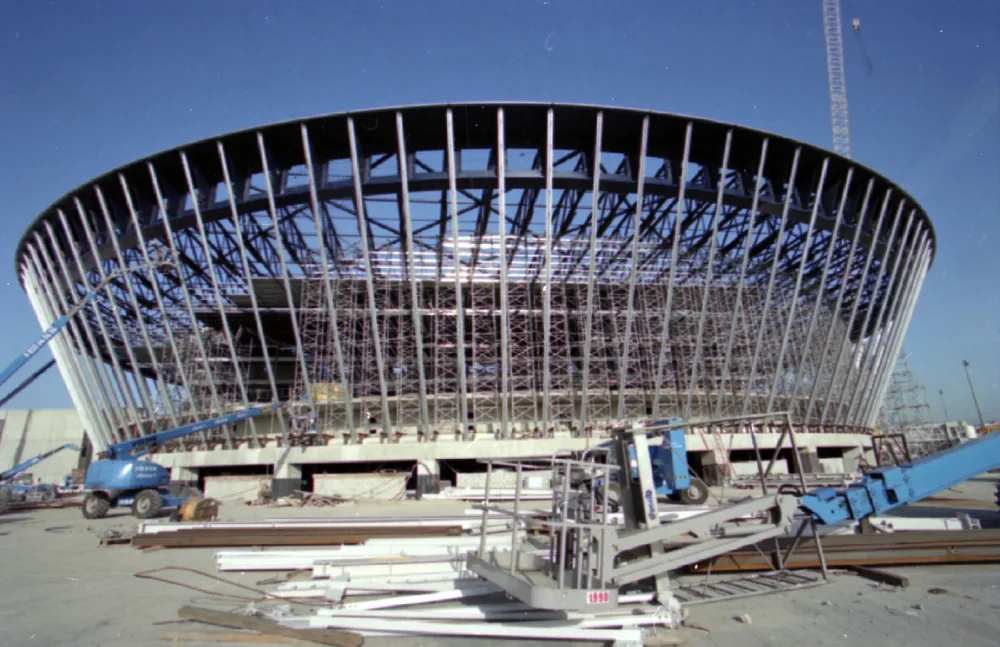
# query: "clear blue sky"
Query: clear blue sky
87,86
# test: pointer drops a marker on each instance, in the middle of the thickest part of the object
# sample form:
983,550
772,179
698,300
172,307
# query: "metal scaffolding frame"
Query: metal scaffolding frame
513,269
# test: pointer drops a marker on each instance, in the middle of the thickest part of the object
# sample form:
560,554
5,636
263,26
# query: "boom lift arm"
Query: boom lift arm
54,329
136,447
28,464
886,488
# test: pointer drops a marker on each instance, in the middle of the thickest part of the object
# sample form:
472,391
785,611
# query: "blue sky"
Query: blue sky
87,86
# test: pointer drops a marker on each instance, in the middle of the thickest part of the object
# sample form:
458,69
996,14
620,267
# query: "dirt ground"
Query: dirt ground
60,587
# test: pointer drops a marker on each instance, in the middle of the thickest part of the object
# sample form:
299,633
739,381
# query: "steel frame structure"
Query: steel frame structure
518,269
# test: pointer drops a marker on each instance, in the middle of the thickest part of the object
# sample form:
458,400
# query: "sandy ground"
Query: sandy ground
60,587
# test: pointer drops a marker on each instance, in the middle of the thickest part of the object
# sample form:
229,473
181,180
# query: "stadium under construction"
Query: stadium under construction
443,283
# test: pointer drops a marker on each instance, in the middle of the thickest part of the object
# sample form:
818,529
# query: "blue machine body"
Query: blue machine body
122,475
668,459
886,488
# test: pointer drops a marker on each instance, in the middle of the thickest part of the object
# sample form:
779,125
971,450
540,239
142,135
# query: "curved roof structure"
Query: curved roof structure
391,268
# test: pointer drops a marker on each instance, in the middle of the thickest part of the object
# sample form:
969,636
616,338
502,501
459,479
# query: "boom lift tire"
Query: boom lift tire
147,504
696,494
4,500
95,505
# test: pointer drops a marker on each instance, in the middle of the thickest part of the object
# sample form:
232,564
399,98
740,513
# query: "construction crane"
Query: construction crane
836,73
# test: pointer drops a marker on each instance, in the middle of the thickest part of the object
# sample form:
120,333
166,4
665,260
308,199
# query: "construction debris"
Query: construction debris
878,575
265,627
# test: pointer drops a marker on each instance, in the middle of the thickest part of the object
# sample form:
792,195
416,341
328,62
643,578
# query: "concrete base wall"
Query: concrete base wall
27,433
833,465
535,479
235,488
362,486
750,468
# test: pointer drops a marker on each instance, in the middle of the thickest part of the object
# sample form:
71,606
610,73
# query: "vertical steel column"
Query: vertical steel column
884,362
404,181
856,303
285,280
327,287
63,352
795,292
463,405
175,257
748,238
547,287
858,227
877,365
504,306
909,304
121,384
359,206
116,417
623,363
595,191
860,347
709,276
775,262
820,291
127,279
889,346
138,379
158,296
56,298
217,294
665,336
871,349
244,261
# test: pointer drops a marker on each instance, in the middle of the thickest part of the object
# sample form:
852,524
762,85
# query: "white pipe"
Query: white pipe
486,629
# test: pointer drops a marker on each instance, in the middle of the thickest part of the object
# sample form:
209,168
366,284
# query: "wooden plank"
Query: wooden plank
333,637
878,575
201,636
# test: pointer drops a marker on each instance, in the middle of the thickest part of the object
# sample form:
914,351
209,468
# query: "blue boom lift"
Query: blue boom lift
669,464
120,478
8,491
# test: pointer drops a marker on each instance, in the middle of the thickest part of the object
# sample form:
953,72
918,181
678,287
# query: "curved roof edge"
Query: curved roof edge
22,243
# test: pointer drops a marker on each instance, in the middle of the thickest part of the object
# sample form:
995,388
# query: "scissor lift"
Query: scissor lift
592,562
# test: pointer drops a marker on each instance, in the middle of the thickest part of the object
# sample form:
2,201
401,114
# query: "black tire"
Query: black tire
147,504
4,500
48,496
95,505
696,494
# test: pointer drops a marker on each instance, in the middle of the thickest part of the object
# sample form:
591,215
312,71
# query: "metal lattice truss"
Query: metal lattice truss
392,270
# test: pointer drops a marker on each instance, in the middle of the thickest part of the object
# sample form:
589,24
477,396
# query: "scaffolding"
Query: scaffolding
905,412
652,266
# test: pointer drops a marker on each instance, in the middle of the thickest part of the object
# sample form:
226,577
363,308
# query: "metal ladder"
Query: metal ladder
741,587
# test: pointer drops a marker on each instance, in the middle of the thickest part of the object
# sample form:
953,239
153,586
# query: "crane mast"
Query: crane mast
837,76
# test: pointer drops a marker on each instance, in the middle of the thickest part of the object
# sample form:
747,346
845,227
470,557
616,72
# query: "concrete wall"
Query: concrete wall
383,486
27,433
833,465
537,479
234,488
749,468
